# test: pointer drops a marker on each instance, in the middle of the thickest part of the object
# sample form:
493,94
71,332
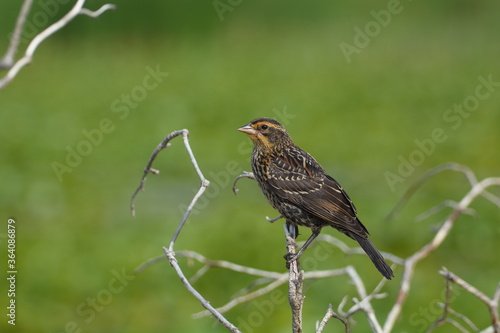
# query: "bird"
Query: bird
300,189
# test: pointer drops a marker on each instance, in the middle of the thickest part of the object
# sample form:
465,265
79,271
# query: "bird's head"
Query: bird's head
267,134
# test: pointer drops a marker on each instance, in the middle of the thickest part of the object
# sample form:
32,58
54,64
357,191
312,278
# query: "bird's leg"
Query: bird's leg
273,219
291,257
291,229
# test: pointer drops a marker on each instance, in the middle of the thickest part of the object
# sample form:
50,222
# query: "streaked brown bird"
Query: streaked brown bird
301,190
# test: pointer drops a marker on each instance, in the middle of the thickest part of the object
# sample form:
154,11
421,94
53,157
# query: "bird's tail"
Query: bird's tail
375,256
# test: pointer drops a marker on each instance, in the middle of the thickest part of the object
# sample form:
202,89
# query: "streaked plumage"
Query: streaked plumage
301,190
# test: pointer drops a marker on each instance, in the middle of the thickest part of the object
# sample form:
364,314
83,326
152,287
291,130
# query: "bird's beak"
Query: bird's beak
248,130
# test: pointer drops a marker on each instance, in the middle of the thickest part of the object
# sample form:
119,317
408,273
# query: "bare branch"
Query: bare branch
457,325
492,303
440,236
202,271
276,279
170,250
173,261
42,36
471,177
245,174
231,266
329,315
365,303
464,318
440,207
97,13
162,145
150,262
448,310
245,298
8,59
295,281
446,306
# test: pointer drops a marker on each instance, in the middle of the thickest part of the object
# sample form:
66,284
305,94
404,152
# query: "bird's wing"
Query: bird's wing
298,178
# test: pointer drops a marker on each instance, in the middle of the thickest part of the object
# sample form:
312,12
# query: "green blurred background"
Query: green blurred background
357,117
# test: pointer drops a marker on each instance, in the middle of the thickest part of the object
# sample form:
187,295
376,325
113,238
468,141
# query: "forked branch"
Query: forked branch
477,189
169,252
491,303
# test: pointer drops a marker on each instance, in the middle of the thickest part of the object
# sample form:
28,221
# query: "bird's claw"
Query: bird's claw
289,257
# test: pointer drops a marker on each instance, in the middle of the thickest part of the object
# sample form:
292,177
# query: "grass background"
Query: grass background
357,118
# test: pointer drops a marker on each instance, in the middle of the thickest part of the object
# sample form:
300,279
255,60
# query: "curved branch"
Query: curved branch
471,177
491,303
148,169
206,304
49,31
245,174
169,252
478,189
329,315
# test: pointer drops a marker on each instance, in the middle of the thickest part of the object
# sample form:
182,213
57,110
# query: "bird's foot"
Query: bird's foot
291,257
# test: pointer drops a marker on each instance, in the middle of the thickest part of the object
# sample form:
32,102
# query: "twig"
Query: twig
491,303
276,279
8,59
440,207
49,31
230,266
272,277
252,285
464,319
457,325
471,177
170,250
162,145
246,298
477,189
331,314
202,271
150,262
446,306
245,174
365,303
173,261
448,310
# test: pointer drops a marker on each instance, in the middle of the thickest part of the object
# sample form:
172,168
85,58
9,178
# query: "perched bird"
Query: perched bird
301,190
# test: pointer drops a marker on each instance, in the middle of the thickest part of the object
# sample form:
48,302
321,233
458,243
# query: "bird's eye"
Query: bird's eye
264,127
